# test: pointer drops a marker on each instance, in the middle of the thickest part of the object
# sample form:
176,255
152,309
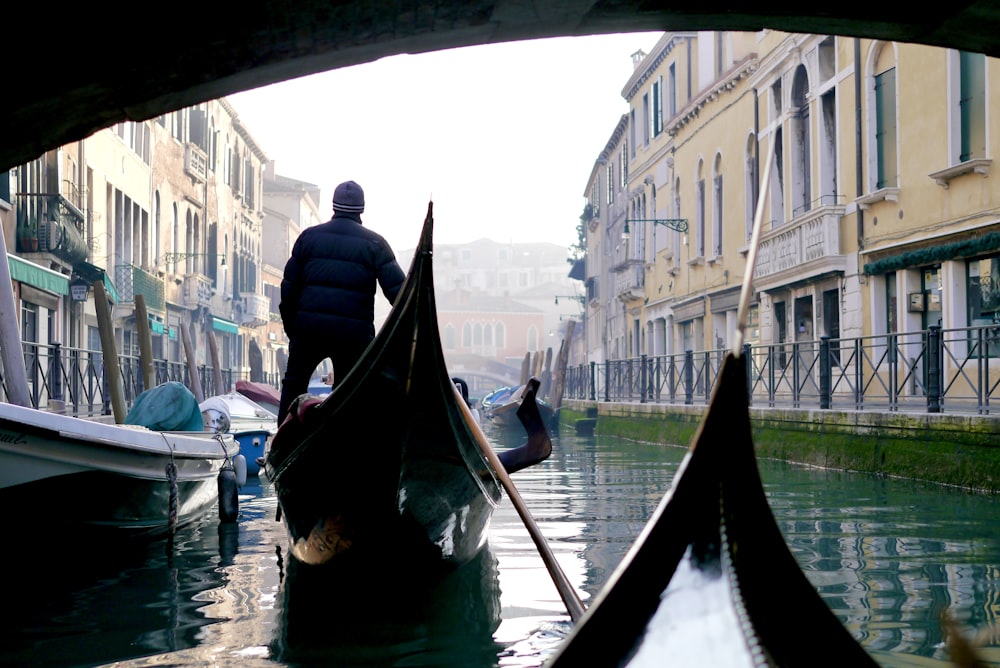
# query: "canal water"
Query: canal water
887,555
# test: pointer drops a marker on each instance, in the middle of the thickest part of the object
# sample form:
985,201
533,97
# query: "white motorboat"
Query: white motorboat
58,471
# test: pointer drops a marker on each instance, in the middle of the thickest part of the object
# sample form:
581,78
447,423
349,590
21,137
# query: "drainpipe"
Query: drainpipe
859,159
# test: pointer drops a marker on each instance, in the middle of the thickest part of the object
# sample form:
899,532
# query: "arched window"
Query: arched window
532,339
449,337
801,139
466,335
675,244
750,183
883,167
157,228
717,205
501,336
699,212
477,335
189,243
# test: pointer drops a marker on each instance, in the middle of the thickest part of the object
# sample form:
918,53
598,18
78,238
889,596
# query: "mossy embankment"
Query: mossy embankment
949,449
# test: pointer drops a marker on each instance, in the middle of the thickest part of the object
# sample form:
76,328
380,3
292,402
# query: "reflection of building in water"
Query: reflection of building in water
252,571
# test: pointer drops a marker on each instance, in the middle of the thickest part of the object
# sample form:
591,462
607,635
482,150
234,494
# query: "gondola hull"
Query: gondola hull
710,581
387,467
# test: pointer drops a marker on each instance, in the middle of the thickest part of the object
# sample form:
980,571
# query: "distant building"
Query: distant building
499,301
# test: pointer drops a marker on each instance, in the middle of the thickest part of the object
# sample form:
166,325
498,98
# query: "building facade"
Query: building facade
878,212
166,213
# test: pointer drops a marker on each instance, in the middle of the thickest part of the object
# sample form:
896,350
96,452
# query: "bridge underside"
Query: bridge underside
79,67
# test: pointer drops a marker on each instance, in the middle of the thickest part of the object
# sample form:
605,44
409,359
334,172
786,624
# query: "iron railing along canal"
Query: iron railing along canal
934,370
75,381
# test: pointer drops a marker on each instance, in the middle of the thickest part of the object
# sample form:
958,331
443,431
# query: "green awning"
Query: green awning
44,279
224,326
93,273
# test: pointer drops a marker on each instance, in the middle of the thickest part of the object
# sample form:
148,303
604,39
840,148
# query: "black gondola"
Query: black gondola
710,581
390,468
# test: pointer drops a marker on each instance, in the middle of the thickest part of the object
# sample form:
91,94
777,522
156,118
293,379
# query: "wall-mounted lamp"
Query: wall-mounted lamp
170,258
679,224
579,298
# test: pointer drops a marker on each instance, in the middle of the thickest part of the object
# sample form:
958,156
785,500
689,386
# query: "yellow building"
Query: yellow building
878,212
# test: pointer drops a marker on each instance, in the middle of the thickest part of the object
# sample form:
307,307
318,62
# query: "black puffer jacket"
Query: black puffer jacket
328,289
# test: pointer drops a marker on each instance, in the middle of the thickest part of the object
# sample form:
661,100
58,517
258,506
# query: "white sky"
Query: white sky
502,137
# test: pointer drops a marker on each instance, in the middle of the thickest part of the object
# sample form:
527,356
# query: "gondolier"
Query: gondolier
328,293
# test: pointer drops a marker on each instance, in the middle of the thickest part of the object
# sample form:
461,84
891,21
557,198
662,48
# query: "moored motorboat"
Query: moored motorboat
265,396
413,487
63,472
251,425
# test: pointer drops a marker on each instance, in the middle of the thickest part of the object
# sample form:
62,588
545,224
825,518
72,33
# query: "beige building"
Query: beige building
168,209
878,214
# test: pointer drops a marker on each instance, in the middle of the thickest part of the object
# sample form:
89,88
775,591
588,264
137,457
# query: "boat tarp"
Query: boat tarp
167,407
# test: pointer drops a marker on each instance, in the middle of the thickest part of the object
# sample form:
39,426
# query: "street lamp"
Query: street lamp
170,258
679,224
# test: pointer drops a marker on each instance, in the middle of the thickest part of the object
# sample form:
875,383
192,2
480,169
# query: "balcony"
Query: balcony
50,224
196,291
131,280
256,310
808,246
195,162
631,285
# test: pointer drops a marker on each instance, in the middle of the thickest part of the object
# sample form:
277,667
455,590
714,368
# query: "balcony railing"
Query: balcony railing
256,309
934,370
195,162
812,239
131,280
196,291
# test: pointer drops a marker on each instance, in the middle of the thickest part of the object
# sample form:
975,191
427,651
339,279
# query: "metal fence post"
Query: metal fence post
55,373
607,380
824,372
934,369
748,365
772,359
688,377
642,379
593,381
795,375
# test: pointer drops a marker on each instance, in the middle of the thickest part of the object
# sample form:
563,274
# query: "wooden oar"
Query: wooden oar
569,596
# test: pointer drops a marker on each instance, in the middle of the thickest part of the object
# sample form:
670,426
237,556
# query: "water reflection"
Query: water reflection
382,617
80,603
887,556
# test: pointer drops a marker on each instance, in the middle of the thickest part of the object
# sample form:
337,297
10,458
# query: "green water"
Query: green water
888,556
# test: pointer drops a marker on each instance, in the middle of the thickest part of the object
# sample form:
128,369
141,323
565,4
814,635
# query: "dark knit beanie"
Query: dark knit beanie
349,197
